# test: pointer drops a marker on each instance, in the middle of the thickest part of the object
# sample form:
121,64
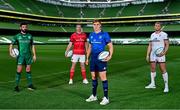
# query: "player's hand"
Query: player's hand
107,58
34,58
87,62
66,54
147,58
162,54
10,53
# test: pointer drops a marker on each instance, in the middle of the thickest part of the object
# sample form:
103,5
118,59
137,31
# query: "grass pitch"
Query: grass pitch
128,73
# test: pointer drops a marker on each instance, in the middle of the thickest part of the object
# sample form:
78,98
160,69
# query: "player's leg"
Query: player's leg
153,71
104,80
83,73
164,75
102,67
20,61
83,68
29,77
94,74
93,97
74,60
18,77
72,71
28,62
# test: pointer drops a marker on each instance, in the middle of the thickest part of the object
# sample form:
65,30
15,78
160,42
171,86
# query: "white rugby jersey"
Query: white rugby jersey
157,40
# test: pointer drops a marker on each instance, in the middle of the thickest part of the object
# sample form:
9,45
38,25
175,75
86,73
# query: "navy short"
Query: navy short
97,65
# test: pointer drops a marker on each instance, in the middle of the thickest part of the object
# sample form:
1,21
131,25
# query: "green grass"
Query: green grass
128,74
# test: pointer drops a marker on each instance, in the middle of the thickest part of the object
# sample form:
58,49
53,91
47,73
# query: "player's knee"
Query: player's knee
19,69
82,66
28,69
103,77
153,69
72,69
93,76
73,66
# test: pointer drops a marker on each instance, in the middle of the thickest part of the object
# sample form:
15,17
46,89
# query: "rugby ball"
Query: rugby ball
69,53
103,55
15,52
158,51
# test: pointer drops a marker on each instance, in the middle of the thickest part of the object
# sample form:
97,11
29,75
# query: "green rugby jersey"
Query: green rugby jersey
24,42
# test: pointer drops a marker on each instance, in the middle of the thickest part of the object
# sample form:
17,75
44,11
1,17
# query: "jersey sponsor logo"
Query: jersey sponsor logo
24,41
79,40
155,40
95,42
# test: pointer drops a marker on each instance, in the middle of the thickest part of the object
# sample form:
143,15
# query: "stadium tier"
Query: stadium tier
125,18
131,28
39,8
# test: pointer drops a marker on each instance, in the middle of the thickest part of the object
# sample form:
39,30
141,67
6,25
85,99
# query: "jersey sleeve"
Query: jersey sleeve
166,36
107,38
32,41
14,40
89,38
72,38
85,37
150,40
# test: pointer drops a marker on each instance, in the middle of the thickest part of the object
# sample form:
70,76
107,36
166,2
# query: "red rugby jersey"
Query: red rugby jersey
78,41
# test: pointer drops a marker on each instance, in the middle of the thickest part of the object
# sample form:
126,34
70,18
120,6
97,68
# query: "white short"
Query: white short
154,58
78,58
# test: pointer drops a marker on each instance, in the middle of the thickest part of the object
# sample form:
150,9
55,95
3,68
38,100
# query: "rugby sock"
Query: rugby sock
105,88
153,75
165,77
18,77
71,73
29,78
83,72
94,85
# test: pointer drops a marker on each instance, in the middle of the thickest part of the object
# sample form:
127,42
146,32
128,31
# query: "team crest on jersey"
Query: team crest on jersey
100,37
29,37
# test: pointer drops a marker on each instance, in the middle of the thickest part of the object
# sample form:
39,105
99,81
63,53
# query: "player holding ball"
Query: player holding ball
156,54
27,55
97,43
78,41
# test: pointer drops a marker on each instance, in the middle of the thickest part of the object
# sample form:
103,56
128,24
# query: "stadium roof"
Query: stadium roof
98,3
108,1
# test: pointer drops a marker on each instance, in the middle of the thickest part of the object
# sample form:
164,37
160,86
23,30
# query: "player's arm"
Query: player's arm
148,51
69,46
88,54
86,46
14,40
110,47
34,53
10,49
166,47
33,49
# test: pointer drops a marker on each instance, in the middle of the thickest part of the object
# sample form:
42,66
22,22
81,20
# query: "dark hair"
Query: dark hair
97,20
24,23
